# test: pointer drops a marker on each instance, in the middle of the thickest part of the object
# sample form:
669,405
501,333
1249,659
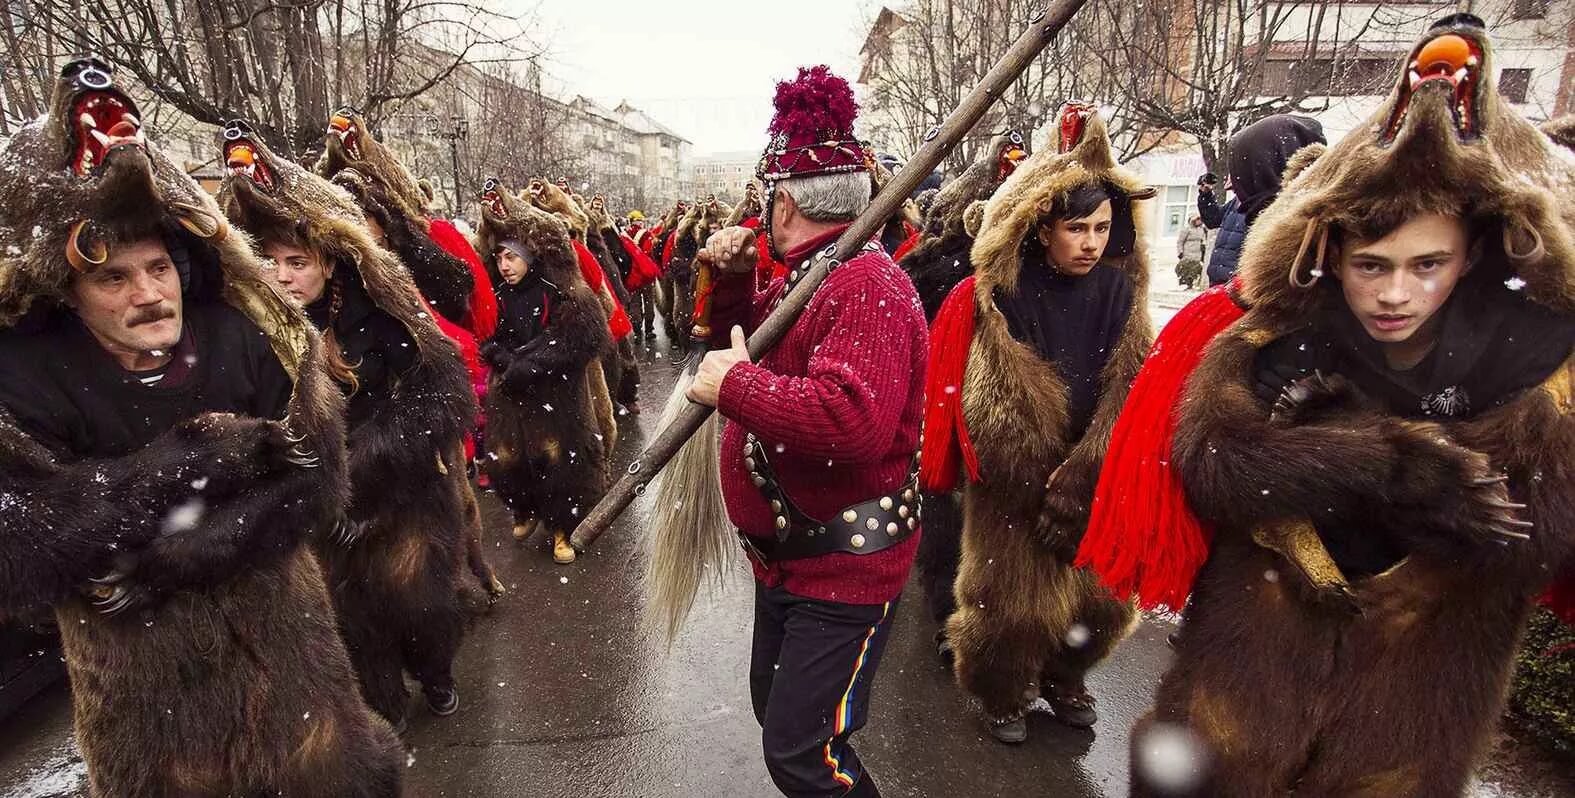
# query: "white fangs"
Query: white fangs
87,121
99,135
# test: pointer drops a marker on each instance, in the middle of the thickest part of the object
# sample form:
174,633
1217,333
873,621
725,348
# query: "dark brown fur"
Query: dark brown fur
1017,597
397,585
232,678
1292,677
545,450
940,261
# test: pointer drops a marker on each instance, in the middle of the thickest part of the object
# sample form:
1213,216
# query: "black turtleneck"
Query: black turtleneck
375,345
1073,322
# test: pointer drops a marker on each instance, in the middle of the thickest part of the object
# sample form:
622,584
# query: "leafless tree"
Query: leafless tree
1207,68
284,64
920,61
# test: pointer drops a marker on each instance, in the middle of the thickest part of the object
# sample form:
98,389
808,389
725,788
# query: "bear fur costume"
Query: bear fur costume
223,671
545,454
1018,596
1292,675
395,566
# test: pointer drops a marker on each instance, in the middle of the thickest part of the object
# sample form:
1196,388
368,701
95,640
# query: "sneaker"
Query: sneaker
443,702
1011,732
562,552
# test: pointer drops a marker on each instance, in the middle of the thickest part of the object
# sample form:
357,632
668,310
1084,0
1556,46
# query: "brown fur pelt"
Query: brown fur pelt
397,578
1018,597
748,209
556,201
547,453
264,698
1290,675
442,279
356,148
940,261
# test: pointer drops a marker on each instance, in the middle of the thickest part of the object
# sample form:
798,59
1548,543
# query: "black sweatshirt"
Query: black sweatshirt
68,393
1073,322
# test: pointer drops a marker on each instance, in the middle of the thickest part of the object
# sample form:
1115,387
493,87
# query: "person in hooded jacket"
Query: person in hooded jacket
1258,155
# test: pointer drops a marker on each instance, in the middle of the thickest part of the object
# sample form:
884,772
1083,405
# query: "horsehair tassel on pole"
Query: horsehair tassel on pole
939,142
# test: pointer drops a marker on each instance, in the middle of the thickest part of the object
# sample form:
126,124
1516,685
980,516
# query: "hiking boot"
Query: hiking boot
562,552
523,529
1072,706
1012,731
443,701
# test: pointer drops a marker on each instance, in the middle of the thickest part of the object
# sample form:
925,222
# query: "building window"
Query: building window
1324,76
1528,9
1514,84
1178,208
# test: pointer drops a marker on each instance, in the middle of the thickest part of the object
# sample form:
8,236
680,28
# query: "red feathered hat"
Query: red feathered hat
812,131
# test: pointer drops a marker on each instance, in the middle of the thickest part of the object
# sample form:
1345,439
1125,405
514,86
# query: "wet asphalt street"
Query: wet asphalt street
565,693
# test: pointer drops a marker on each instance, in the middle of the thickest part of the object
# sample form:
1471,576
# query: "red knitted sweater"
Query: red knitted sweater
839,401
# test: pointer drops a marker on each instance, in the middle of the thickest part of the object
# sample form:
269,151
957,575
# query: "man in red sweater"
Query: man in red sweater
818,449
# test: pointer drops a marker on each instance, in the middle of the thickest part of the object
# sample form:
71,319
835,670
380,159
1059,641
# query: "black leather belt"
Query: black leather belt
864,528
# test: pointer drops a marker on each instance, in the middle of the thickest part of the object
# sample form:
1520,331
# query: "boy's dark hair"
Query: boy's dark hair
1076,203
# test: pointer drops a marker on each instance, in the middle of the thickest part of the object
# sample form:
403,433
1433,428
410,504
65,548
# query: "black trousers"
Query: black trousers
810,675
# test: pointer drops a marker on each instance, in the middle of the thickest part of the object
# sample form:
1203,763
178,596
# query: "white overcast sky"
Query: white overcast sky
704,68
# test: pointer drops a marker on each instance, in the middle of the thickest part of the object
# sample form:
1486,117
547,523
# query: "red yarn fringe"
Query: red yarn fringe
1142,539
947,447
643,271
482,320
906,246
591,271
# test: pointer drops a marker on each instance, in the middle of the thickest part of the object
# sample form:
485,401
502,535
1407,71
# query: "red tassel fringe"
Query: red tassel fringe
591,272
482,320
643,270
947,446
906,246
1142,539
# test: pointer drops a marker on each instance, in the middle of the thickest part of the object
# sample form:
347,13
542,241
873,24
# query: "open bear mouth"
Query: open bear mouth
103,122
242,159
1010,160
342,127
1448,62
1074,118
492,200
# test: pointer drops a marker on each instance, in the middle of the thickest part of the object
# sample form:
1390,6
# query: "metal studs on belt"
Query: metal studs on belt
781,522
759,481
872,523
850,516
857,541
913,523
885,502
749,463
907,495
891,528
776,506
903,511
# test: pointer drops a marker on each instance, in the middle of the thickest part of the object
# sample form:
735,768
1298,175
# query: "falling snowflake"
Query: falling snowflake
184,517
1171,758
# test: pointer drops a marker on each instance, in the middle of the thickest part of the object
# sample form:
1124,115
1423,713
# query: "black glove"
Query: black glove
496,355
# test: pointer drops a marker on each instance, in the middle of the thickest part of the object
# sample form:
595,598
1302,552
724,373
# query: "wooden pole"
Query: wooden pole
938,143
